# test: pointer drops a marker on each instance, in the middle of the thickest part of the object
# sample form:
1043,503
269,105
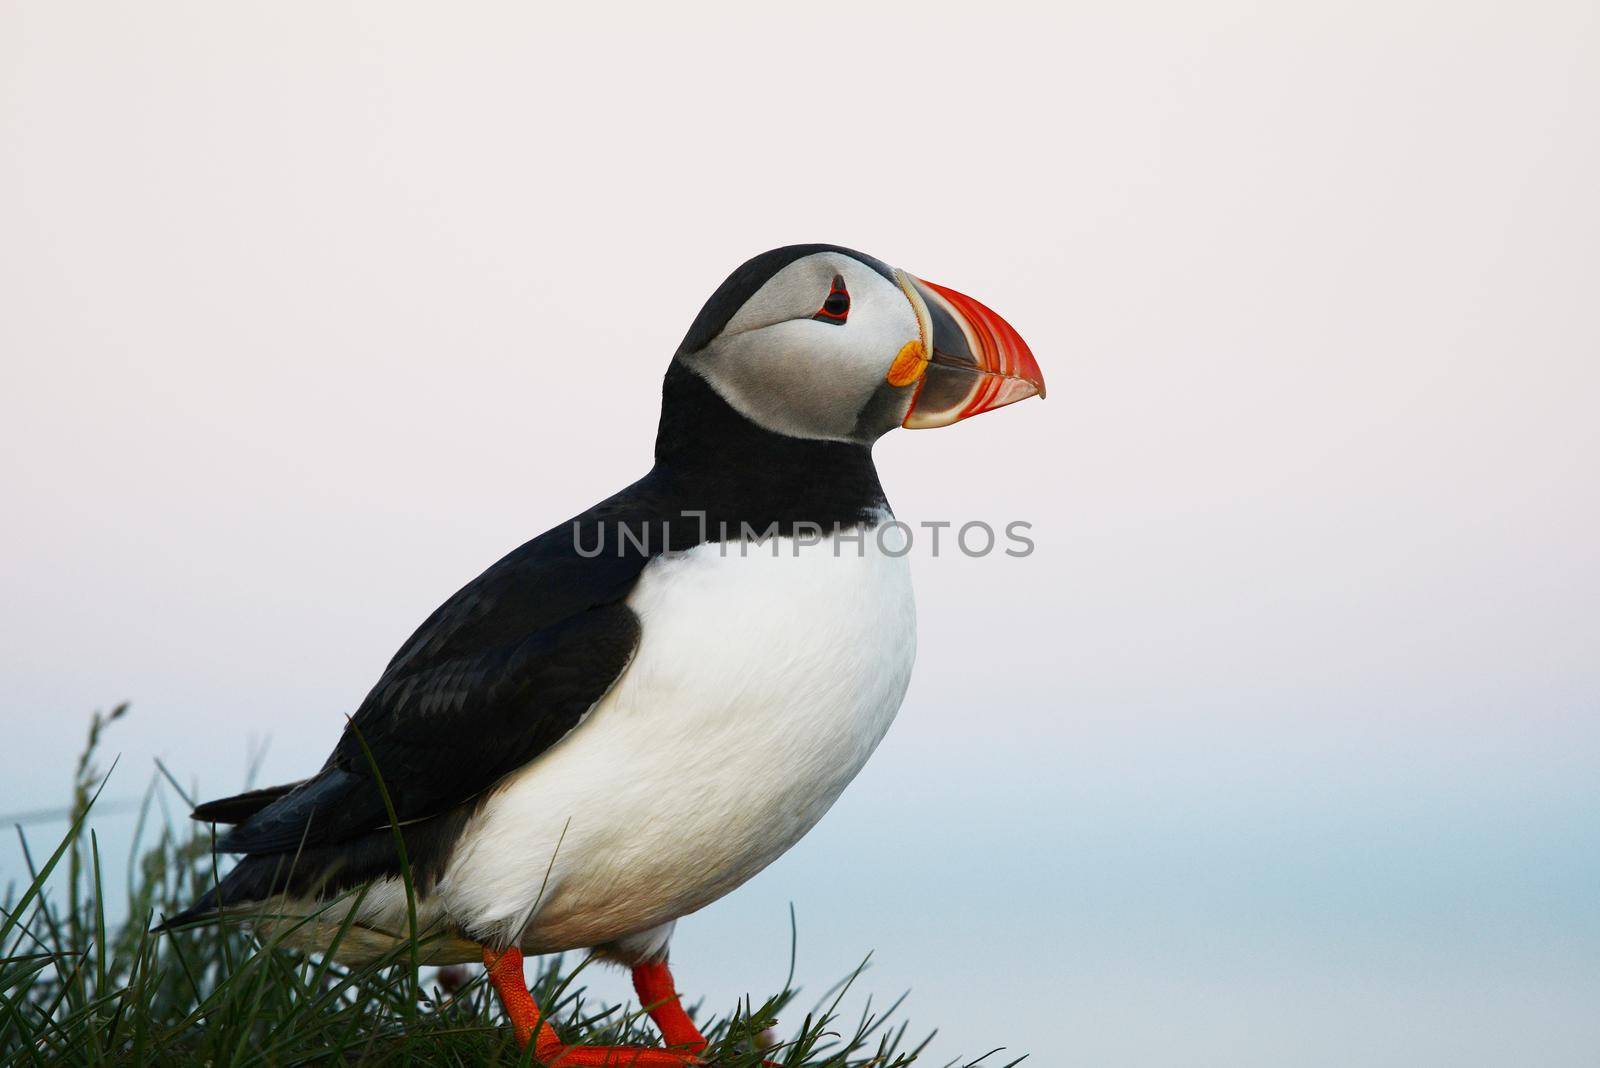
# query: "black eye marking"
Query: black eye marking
836,309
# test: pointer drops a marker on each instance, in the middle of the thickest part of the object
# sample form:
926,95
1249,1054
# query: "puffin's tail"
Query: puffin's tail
206,906
252,880
240,807
244,882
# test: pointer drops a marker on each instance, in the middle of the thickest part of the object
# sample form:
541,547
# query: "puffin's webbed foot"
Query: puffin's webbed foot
654,984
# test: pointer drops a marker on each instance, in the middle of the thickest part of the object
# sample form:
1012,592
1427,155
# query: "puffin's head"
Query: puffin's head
817,341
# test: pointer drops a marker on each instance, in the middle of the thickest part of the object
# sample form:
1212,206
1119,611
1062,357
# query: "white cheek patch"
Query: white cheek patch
798,376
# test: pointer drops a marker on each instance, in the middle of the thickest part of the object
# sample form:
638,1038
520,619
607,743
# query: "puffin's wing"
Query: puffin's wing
498,674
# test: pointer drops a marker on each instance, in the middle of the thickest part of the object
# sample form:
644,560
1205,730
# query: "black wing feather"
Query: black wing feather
240,807
494,677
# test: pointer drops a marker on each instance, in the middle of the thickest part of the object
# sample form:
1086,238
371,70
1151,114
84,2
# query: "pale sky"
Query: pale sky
1283,745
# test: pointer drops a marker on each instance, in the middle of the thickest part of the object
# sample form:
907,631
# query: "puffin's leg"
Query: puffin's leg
659,995
505,972
653,982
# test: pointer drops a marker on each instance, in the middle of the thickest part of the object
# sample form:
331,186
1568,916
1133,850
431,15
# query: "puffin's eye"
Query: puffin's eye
836,309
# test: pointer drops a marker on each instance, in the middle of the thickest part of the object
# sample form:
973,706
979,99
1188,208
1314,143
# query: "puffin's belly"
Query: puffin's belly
761,685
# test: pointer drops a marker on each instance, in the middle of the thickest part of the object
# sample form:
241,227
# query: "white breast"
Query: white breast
764,679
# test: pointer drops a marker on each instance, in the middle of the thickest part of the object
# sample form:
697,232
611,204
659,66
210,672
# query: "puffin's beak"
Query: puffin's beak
978,362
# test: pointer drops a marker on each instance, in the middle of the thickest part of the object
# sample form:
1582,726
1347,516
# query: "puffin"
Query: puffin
630,715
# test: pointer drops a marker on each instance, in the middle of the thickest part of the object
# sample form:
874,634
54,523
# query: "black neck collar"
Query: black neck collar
711,457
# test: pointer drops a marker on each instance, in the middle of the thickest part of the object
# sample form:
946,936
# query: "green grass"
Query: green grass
76,989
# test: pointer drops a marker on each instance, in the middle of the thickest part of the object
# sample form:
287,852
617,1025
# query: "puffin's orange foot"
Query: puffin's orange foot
625,1057
654,985
614,1057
